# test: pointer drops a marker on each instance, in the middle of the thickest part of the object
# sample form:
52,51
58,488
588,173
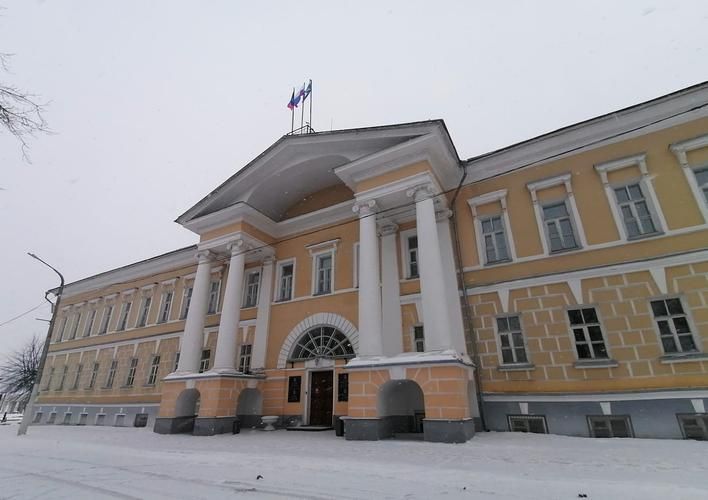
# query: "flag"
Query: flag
293,103
307,91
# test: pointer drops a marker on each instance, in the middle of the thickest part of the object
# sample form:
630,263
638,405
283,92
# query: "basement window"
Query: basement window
606,426
528,423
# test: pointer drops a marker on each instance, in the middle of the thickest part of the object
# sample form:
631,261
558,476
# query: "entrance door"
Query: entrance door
321,391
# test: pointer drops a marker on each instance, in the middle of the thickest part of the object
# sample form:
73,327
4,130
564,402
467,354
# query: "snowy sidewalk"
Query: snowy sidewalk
102,462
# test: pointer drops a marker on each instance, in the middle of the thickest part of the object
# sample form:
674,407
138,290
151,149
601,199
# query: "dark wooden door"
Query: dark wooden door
321,392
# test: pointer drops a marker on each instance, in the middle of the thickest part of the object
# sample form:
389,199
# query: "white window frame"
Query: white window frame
485,199
162,313
106,317
689,319
680,150
75,326
154,370
647,186
547,233
95,368
559,180
90,322
204,362
79,368
406,255
217,296
124,315
132,370
146,299
498,334
61,330
584,326
316,256
244,358
246,277
279,277
416,341
62,380
187,292
111,375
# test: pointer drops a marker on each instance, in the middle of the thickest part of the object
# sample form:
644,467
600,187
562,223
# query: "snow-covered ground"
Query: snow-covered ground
93,462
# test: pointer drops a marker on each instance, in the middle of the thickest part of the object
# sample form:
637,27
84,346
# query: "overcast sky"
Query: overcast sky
153,104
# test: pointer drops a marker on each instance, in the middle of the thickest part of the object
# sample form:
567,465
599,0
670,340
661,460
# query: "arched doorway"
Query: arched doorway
249,407
186,410
402,405
323,344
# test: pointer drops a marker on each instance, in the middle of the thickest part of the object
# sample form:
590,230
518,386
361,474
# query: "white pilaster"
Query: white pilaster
225,356
260,341
392,329
436,323
192,339
454,307
370,342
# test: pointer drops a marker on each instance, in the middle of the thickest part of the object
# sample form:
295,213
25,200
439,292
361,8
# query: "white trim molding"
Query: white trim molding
679,149
484,199
559,180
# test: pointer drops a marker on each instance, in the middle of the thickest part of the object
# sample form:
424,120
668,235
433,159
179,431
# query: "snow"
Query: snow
406,358
105,462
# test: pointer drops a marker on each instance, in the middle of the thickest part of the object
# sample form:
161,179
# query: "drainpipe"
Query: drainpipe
466,308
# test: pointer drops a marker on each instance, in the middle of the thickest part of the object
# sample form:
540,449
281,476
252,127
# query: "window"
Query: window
412,256
674,330
176,362
528,423
204,362
214,296
144,311
75,385
511,340
495,247
52,417
105,320
111,374
67,418
244,362
694,426
130,379
343,387
250,294
49,379
186,299
89,323
37,417
63,378
702,180
286,273
559,227
323,274
75,326
606,426
123,318
165,306
322,342
418,338
60,333
154,369
94,375
589,342
635,211
294,384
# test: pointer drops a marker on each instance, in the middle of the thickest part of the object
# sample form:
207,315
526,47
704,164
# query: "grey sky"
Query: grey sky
156,103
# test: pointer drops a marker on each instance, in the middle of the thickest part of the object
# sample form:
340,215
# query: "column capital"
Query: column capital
364,208
421,191
236,246
388,229
204,256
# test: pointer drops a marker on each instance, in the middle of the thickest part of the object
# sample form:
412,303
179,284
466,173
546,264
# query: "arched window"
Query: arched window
322,342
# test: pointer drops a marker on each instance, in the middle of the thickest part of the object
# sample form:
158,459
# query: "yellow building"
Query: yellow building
371,277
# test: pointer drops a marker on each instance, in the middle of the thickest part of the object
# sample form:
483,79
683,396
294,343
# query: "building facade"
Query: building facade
556,285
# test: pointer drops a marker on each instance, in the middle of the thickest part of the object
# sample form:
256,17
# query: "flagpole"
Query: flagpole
302,116
292,115
310,108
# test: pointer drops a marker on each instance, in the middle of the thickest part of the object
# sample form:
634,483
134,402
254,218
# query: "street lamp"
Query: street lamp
40,369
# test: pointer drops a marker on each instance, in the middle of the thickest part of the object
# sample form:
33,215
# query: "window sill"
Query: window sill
243,308
320,294
497,262
595,363
149,385
687,357
516,367
564,250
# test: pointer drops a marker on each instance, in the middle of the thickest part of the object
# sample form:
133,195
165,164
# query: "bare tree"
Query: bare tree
18,373
20,113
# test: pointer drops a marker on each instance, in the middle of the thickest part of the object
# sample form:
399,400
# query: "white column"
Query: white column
193,337
436,323
454,306
265,294
225,357
370,343
392,328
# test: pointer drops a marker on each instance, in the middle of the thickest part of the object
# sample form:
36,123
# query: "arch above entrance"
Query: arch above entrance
316,320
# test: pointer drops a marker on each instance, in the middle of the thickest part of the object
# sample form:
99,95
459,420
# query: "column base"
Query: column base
448,431
210,426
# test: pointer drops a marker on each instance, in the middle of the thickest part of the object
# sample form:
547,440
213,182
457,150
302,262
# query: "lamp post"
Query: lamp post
40,369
